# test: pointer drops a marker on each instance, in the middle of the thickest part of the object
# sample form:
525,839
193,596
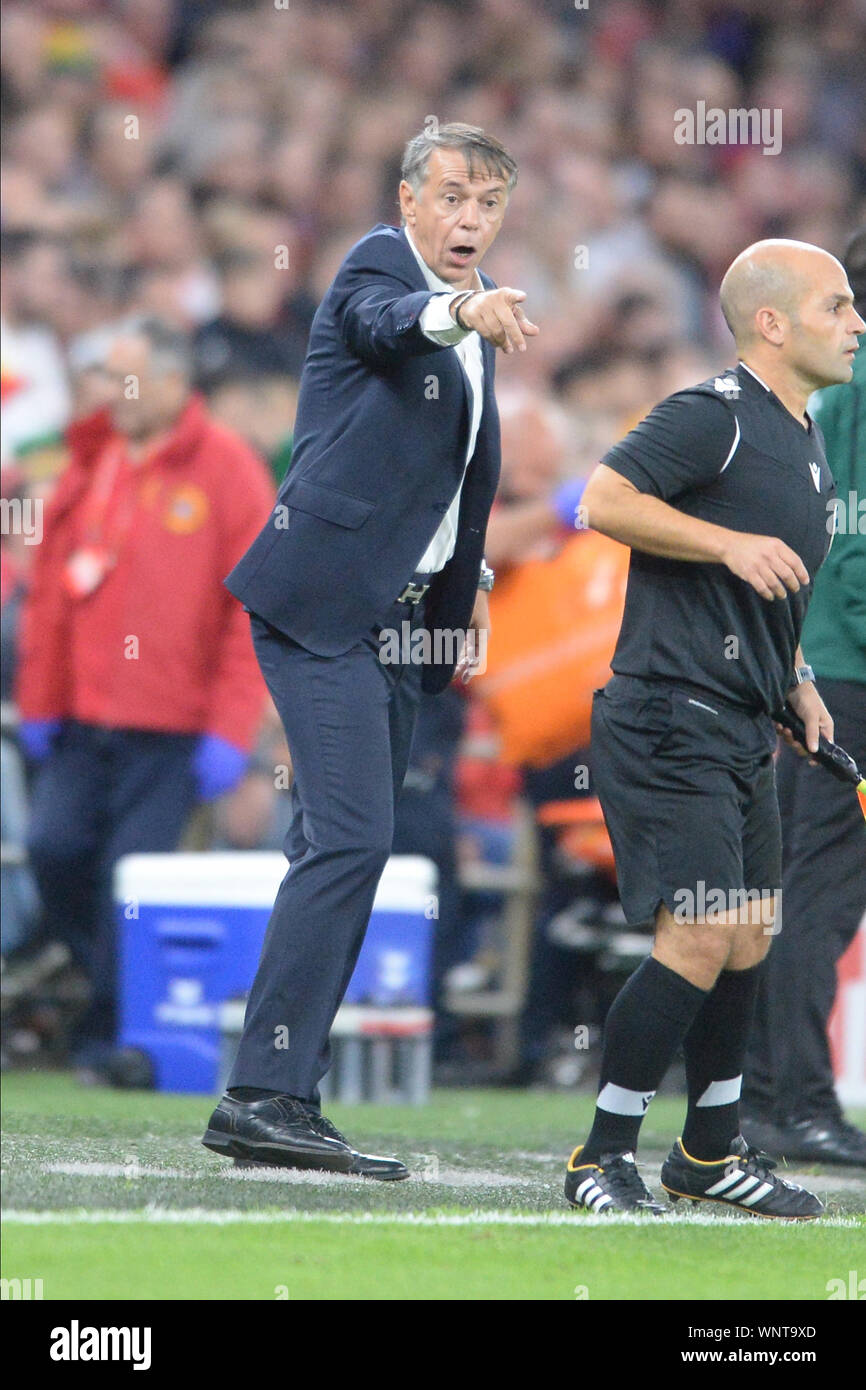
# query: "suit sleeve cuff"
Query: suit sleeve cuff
436,322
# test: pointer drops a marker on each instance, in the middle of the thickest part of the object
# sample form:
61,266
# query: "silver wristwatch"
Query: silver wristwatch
803,674
487,578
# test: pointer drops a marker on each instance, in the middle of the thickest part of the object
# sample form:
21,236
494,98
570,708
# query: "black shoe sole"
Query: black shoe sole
384,1177
378,1177
273,1155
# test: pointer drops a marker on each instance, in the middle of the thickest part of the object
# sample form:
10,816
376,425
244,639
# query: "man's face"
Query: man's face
454,219
141,400
823,334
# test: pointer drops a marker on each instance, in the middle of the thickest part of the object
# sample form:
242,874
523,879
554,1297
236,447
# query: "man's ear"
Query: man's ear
407,201
771,326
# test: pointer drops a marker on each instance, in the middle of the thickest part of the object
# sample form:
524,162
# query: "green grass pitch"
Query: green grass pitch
109,1195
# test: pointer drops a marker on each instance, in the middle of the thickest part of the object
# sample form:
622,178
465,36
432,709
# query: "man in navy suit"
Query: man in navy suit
378,530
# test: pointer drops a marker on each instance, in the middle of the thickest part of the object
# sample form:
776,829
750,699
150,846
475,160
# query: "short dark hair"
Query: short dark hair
470,140
854,262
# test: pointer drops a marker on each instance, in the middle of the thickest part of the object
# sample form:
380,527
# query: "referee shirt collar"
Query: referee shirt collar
771,392
755,375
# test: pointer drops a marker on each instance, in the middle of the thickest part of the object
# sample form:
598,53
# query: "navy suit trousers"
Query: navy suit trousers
349,721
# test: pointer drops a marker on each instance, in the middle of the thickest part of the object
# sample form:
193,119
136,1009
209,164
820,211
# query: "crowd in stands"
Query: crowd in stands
208,166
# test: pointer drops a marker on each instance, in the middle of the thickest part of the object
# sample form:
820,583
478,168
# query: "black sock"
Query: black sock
644,1027
715,1050
248,1093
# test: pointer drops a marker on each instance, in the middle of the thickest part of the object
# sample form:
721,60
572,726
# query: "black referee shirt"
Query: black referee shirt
729,452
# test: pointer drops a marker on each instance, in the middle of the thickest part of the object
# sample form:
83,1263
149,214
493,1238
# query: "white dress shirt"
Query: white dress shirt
438,325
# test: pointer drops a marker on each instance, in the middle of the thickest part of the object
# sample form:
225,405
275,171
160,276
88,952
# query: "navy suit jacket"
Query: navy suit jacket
379,448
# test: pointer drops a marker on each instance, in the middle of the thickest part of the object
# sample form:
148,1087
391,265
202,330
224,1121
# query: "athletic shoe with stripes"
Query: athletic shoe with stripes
743,1179
614,1184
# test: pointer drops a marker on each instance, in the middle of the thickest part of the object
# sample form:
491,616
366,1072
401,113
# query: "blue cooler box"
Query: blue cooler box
191,928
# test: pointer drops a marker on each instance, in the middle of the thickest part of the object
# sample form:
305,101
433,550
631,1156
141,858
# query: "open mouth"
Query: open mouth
462,254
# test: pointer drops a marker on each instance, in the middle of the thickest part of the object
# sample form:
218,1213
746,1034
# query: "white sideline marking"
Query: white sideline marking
199,1216
445,1176
112,1170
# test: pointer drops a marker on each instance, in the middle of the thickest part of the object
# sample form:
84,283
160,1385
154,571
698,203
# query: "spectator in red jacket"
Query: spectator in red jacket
137,686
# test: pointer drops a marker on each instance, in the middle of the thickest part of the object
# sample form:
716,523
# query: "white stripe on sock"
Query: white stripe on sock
721,1092
617,1100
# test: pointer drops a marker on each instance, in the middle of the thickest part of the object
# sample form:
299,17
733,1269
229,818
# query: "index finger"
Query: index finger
512,330
526,324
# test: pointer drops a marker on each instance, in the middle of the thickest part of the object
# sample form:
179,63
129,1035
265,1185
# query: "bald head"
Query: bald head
775,275
791,311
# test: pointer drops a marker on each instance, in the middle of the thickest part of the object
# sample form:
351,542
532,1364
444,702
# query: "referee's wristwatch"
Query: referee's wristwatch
486,578
802,674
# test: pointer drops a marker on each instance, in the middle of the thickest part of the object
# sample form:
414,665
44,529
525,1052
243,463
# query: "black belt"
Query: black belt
415,589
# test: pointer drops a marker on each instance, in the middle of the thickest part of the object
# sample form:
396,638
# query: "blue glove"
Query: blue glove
566,501
218,766
36,736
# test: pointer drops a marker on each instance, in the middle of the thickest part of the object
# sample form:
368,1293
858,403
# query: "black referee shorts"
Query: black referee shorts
688,790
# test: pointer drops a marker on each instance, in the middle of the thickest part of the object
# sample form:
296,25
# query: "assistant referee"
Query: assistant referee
722,493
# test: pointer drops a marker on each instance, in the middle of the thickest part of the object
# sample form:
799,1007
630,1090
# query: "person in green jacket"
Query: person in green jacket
789,1099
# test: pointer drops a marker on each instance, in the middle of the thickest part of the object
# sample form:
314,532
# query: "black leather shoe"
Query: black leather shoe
364,1165
276,1131
282,1132
830,1140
